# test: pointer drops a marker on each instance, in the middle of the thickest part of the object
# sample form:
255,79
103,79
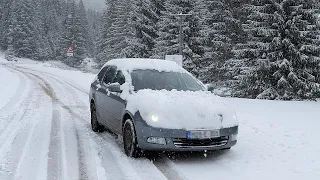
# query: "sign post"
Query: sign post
70,51
181,30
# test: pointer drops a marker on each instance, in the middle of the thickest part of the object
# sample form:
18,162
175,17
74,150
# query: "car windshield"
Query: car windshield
155,80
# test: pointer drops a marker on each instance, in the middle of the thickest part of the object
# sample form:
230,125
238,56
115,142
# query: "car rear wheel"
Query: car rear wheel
96,127
130,140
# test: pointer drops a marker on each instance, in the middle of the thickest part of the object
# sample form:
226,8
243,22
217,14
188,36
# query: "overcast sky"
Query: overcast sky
95,4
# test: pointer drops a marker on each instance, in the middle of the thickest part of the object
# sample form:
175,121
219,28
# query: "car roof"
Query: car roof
130,64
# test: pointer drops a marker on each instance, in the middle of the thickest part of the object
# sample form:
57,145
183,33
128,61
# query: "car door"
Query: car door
104,97
118,104
96,87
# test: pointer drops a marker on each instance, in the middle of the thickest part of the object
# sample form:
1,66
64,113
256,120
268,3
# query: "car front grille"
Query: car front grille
200,143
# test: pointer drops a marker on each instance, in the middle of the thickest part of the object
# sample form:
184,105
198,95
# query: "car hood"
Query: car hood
182,110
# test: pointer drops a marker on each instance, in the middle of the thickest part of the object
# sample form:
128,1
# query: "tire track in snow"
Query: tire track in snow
9,133
82,163
54,76
9,111
161,164
41,142
114,169
14,100
10,137
54,155
33,153
23,134
83,170
55,165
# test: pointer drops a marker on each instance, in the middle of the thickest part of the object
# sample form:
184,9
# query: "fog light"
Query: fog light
234,137
157,140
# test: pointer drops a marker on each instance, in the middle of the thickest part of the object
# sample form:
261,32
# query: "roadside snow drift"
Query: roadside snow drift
9,85
182,109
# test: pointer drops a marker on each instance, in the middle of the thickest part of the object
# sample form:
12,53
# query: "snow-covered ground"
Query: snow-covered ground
45,134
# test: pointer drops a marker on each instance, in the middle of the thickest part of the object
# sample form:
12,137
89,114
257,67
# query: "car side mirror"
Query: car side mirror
114,87
210,87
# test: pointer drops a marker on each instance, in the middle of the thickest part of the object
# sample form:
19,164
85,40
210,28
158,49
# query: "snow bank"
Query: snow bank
156,64
58,64
9,85
2,59
89,65
182,110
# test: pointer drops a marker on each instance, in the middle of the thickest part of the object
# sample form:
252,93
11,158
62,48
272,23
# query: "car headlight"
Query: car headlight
154,118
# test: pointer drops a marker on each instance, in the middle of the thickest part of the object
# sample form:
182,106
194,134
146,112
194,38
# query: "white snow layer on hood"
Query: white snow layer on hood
182,110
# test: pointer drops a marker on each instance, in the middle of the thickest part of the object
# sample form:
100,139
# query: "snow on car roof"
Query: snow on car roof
130,64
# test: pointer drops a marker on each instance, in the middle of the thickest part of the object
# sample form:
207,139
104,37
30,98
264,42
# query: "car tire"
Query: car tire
130,142
96,127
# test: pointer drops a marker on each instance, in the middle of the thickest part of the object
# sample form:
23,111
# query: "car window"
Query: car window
155,80
119,78
110,74
190,82
102,73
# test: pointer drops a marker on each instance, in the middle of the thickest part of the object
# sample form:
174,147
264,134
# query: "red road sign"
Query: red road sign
70,51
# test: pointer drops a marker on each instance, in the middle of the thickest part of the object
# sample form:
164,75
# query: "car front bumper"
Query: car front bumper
176,139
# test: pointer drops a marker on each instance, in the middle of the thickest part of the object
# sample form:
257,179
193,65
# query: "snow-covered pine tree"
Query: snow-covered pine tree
296,52
53,15
168,41
85,28
120,32
157,6
22,30
43,47
95,21
107,50
220,32
279,60
107,19
5,6
73,35
145,20
250,66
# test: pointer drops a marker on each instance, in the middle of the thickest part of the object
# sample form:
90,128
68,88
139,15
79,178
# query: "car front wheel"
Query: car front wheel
130,140
96,127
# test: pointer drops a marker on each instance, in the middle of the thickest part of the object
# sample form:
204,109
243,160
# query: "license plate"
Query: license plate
203,134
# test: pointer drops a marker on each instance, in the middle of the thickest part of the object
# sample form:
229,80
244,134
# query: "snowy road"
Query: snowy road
45,134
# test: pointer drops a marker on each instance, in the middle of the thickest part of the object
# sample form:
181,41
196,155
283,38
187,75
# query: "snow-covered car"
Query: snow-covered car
157,105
